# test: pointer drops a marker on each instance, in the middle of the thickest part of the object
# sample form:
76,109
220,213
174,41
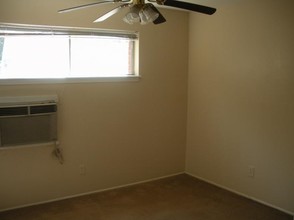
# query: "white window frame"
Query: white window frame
72,31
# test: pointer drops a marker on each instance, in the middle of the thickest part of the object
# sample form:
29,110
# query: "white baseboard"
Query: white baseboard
90,192
241,194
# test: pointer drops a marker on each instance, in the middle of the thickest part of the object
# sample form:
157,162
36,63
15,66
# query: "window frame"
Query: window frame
75,31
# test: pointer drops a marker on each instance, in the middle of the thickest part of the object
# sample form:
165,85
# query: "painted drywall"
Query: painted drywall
241,99
121,132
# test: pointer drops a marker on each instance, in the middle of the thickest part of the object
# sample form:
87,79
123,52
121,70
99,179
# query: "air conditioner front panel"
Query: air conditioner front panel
27,123
27,130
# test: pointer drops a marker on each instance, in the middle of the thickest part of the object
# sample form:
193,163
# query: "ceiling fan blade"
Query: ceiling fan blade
112,12
90,5
190,6
160,18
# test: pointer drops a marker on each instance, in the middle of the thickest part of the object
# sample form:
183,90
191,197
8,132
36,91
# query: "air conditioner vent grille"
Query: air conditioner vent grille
43,109
13,111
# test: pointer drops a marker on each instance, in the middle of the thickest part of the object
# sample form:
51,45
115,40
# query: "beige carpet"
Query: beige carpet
176,198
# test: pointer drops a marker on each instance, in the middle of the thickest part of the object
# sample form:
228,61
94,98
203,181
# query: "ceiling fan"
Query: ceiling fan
141,12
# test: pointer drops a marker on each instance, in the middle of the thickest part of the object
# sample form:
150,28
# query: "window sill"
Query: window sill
68,80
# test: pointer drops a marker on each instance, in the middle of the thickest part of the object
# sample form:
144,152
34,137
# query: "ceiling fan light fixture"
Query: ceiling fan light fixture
141,13
147,14
132,16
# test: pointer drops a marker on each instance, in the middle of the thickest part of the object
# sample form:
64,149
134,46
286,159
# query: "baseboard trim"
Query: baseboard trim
241,194
91,192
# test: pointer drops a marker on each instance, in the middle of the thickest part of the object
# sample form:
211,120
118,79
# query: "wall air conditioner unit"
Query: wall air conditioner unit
28,120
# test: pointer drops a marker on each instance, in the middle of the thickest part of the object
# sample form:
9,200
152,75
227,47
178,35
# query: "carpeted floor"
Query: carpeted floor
176,198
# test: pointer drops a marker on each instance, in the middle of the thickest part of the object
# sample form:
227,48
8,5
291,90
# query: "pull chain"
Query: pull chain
58,153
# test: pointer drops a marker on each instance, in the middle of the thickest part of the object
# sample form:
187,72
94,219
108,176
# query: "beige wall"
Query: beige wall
240,109
122,132
241,99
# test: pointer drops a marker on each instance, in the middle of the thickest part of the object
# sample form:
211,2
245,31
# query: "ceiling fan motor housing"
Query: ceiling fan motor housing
138,2
160,2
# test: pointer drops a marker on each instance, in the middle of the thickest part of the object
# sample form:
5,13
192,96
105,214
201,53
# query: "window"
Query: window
28,52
